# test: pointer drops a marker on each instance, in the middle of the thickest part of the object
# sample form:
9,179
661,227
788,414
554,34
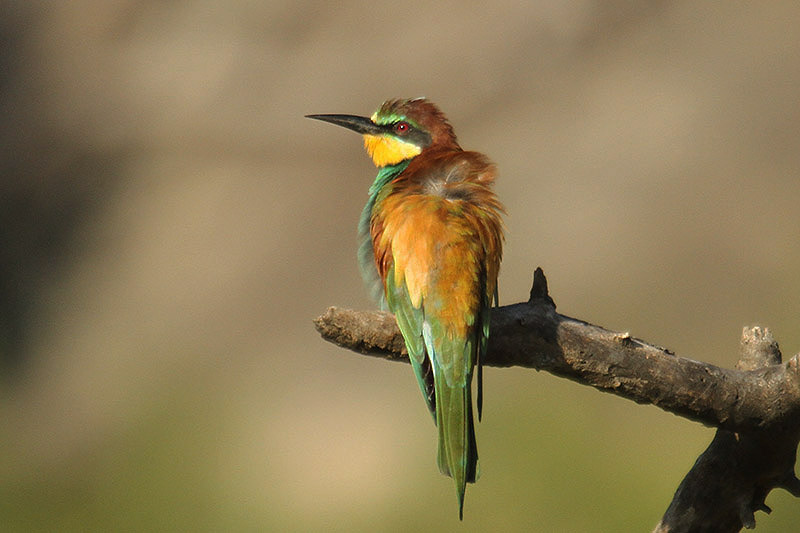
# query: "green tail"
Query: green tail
458,451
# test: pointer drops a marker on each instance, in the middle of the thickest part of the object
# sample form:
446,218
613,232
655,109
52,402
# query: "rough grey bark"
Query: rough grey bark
756,406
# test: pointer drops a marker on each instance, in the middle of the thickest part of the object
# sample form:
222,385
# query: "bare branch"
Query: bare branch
533,335
755,406
731,479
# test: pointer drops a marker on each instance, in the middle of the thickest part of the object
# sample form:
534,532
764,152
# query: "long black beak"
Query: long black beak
361,125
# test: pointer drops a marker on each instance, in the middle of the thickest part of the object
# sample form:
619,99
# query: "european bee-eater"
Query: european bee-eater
431,239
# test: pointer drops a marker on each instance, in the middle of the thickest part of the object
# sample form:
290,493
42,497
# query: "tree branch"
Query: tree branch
756,406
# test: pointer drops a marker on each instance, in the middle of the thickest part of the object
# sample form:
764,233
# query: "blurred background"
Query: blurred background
170,225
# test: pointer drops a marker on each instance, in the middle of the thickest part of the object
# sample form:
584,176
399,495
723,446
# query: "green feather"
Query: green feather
458,451
366,256
409,318
410,321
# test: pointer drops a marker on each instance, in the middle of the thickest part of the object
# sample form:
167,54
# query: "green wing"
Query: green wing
410,319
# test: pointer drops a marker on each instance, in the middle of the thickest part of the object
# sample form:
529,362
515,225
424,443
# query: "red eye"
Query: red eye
401,127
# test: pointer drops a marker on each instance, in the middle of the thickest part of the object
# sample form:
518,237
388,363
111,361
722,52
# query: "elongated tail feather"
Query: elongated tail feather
458,451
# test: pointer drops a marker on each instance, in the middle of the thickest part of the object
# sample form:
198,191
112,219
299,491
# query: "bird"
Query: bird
430,246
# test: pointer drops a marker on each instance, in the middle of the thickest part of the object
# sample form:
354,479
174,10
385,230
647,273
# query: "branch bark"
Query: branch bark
756,406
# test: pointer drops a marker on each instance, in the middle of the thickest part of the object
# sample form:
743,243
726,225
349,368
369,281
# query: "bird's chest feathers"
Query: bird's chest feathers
428,244
386,151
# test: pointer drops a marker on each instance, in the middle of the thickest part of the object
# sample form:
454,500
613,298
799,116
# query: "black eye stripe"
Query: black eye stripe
410,134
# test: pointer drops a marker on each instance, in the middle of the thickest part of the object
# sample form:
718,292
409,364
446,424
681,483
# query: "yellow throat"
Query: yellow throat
385,150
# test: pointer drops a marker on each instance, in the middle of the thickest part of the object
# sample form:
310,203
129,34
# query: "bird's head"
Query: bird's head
399,130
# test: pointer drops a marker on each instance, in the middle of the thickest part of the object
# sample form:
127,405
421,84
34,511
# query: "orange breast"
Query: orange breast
437,252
